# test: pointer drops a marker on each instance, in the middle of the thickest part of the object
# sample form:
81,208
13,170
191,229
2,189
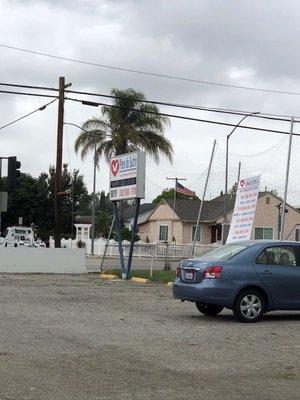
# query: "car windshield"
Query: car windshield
224,252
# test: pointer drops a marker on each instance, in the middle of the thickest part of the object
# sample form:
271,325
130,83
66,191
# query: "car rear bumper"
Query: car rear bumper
210,291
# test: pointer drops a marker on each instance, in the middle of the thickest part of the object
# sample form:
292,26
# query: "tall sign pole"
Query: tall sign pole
58,168
127,182
286,179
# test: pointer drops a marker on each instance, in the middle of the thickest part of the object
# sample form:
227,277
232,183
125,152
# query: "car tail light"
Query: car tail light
178,271
213,272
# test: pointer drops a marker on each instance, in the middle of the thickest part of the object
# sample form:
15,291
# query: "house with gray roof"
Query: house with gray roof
144,212
165,224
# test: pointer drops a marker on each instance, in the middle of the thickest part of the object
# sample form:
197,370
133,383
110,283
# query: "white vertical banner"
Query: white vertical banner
244,209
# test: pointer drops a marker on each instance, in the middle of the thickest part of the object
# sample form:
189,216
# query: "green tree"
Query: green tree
33,201
169,194
103,222
75,202
130,125
23,202
102,201
232,191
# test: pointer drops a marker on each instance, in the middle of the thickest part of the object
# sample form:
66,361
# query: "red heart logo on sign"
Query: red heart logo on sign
242,183
115,165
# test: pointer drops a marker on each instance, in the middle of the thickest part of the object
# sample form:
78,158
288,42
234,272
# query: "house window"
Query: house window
198,237
297,235
267,200
263,233
163,232
86,232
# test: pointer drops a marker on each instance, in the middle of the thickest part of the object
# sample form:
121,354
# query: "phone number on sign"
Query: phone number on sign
124,192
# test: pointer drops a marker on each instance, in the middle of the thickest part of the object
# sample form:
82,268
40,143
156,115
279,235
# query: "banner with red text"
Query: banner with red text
244,209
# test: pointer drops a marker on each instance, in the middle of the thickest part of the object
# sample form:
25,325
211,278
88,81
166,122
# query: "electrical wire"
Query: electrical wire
275,146
269,116
147,73
152,112
28,86
27,115
276,117
148,112
29,94
96,104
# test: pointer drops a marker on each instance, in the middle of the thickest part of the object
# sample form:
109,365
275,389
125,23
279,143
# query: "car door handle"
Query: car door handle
266,272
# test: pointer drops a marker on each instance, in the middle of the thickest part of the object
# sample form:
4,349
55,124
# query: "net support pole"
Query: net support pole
202,199
286,179
239,174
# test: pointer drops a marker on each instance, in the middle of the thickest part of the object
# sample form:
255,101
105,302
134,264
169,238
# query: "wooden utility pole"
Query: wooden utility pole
58,169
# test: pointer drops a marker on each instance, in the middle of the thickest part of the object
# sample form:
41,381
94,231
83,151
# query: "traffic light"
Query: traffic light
13,171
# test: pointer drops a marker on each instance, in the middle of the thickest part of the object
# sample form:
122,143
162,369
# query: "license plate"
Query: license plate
189,276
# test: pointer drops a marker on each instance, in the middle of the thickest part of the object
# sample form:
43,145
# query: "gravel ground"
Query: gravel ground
73,337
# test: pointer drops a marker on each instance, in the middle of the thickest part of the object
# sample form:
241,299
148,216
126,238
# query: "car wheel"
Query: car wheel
209,309
249,306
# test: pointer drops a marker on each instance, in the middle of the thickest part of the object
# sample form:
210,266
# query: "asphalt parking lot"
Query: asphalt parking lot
74,337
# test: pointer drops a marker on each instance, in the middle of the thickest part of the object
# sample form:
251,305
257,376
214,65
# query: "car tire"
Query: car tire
249,306
208,309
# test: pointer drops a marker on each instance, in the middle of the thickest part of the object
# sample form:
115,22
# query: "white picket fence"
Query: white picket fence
141,249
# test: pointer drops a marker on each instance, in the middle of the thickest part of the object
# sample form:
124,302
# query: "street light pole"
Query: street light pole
227,157
94,202
286,181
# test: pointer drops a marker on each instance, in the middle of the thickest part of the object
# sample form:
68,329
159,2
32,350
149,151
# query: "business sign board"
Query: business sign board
244,209
127,176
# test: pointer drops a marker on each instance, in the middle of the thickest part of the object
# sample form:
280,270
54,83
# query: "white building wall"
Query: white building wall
42,260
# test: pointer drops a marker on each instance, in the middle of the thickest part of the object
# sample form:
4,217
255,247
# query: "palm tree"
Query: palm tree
128,125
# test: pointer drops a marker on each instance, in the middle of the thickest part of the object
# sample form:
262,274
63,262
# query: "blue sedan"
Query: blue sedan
248,277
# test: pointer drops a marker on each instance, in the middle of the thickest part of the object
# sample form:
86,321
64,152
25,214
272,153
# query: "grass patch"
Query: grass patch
158,275
289,376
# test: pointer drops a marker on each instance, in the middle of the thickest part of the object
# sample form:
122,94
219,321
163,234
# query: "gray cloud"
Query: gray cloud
248,43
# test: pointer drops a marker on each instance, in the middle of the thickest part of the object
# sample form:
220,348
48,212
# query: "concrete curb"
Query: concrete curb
139,280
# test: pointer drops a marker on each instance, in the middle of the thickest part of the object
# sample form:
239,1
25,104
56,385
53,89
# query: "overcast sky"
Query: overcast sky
251,43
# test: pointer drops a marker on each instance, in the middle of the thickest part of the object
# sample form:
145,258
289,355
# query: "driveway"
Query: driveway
74,337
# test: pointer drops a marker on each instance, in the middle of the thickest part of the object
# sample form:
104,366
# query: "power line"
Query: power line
276,117
28,86
191,107
147,73
96,104
29,94
27,115
150,112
